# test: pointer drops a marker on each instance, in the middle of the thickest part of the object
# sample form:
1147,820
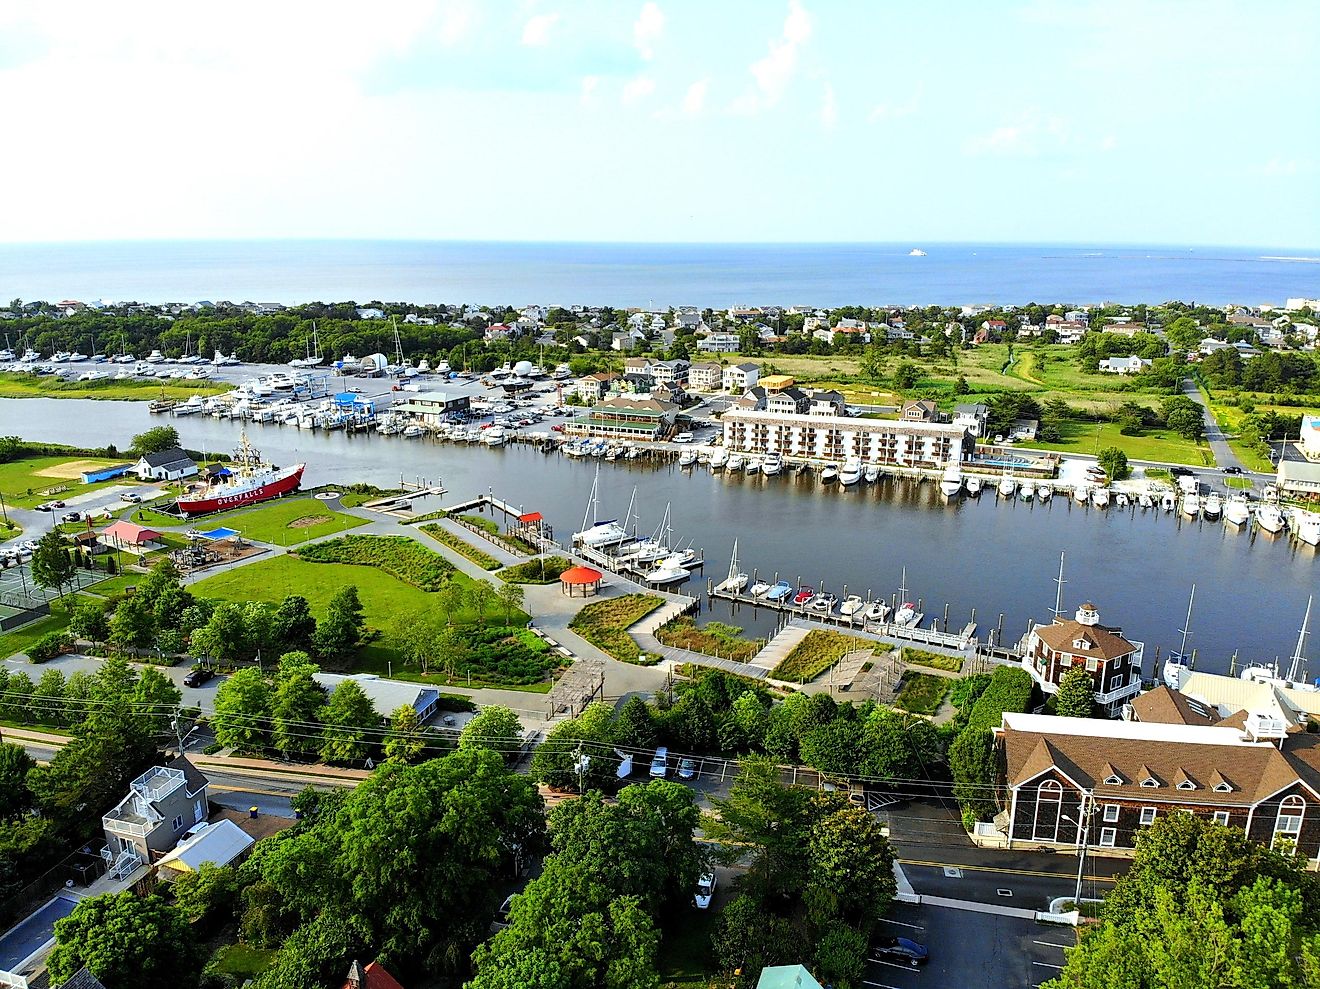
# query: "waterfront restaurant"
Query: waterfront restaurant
433,407
626,418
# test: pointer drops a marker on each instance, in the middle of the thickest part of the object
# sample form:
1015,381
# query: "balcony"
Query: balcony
1124,690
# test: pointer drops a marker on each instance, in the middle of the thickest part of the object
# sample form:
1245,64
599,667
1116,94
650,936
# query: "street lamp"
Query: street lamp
1084,828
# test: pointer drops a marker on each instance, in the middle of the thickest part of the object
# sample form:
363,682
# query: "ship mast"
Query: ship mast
1299,654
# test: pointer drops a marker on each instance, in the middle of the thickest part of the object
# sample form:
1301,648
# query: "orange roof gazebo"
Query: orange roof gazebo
580,576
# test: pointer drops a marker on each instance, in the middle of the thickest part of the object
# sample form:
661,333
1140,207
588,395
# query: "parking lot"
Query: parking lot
970,950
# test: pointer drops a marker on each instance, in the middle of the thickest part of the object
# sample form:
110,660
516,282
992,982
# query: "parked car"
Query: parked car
660,763
687,768
71,517
705,890
131,498
683,438
1232,470
198,676
901,950
1180,471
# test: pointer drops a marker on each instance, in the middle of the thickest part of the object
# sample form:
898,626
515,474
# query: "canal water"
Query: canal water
997,557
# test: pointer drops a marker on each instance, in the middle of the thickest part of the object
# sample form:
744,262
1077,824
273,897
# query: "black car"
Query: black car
901,950
198,676
1180,471
1232,470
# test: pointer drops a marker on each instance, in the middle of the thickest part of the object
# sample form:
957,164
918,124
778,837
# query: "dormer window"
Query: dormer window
1113,781
1079,643
1150,781
1186,785
1223,788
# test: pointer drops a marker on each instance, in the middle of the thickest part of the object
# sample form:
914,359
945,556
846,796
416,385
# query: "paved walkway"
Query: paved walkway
1224,455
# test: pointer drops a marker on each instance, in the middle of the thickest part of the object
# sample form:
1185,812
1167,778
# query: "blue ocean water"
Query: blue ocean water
662,275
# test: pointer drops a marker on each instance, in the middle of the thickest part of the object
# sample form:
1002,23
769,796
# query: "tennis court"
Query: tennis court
18,592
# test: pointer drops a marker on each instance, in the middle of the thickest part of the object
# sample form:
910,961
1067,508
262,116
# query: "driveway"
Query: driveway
1224,455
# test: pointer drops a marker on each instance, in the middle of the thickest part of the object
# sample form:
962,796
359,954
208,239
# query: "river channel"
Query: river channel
998,557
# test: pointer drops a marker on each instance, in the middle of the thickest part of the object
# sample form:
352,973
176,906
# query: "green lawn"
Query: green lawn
379,658
20,638
686,957
1161,445
243,961
1239,483
922,693
21,476
117,584
287,522
817,652
131,389
1230,419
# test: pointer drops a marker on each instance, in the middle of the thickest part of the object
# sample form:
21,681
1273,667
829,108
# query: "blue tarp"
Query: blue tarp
221,533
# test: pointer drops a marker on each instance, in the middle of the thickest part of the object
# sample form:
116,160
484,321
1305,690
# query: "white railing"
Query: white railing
126,827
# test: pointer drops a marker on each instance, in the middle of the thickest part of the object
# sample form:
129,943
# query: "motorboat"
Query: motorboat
155,357
951,483
190,407
1213,506
1269,517
1007,485
851,472
1237,510
851,605
736,580
1121,500
876,611
829,475
1028,491
760,589
974,485
823,603
1044,492
906,614
1191,506
871,473
719,459
1082,494
494,436
412,431
803,595
1307,526
1168,502
1146,501
736,461
772,465
779,591
687,458
1100,497
752,465
670,570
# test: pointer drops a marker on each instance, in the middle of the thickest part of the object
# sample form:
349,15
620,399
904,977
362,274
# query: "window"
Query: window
1092,665
1223,788
1186,785
178,823
199,812
1289,822
1107,836
1049,805
1113,780
1221,817
1150,781
1111,813
1147,816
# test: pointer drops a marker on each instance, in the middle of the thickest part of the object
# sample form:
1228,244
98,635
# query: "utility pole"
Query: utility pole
1084,824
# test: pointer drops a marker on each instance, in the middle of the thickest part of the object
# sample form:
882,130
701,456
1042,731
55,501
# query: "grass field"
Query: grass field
686,957
117,584
286,522
1230,419
922,693
605,623
816,653
38,474
923,657
243,961
49,386
1165,446
461,546
20,638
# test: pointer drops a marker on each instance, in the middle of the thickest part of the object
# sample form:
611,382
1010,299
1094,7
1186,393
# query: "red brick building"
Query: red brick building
1051,651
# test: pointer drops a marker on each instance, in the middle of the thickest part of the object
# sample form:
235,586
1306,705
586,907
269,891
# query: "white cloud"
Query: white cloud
536,32
694,101
895,111
1033,134
829,108
1277,167
456,19
637,90
587,95
648,28
775,70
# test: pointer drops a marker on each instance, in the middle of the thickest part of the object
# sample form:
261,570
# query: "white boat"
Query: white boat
598,533
851,605
1307,526
760,589
687,458
494,436
190,407
851,472
1082,494
829,475
974,485
1007,485
1270,518
736,461
314,355
871,473
1121,500
1146,501
1044,492
876,611
1213,506
1237,510
736,580
1028,490
752,465
719,459
823,604
1100,497
906,613
670,570
1168,502
916,252
155,357
951,483
412,431
1191,506
772,465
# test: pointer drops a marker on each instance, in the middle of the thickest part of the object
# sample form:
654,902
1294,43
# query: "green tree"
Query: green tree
906,376
405,739
15,797
851,875
243,711
342,627
318,952
48,702
88,621
1076,696
974,767
209,893
511,596
351,726
557,761
155,440
51,567
126,940
634,725
418,638
1187,422
224,636
293,625
495,728
16,704
132,625
1114,462
750,938
155,694
295,706
841,955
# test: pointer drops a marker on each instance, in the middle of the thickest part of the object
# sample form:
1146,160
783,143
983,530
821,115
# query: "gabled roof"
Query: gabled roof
1097,642
194,780
372,976
218,843
167,458
1170,707
83,979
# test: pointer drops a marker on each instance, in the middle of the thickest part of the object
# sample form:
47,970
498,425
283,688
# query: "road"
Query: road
1224,455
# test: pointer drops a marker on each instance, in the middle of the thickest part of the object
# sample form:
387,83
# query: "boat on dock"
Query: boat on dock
906,613
1100,497
851,605
760,589
952,481
1007,485
772,465
871,473
1028,490
1270,518
735,462
974,485
599,534
1307,526
876,611
1082,494
1237,510
1122,500
687,458
829,474
736,580
851,472
719,459
823,604
670,570
1213,506
753,465
803,596
1168,502
779,591
1044,492
1191,506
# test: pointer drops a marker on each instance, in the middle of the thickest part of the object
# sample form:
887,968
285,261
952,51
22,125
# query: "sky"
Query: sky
1043,121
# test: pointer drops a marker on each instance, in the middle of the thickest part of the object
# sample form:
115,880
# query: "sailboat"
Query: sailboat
1269,672
599,533
314,355
907,611
736,580
1180,662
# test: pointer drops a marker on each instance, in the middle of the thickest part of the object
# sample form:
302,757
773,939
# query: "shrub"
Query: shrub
461,546
49,646
400,557
921,657
604,623
1009,690
540,571
506,655
716,638
922,693
815,654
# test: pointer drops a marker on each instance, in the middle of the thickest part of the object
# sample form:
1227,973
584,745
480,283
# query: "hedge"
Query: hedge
922,693
533,571
817,652
402,558
923,657
1010,690
461,546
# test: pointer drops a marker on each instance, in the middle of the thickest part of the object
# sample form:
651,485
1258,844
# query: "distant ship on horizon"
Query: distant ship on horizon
916,252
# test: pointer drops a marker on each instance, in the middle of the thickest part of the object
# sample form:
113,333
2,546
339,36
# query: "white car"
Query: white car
660,763
705,891
683,438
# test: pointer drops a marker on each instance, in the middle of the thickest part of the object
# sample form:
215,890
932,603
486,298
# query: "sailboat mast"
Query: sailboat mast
1058,594
591,502
1299,654
1186,630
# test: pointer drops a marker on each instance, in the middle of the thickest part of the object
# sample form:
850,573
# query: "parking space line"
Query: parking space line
915,927
1051,944
1047,965
878,985
901,968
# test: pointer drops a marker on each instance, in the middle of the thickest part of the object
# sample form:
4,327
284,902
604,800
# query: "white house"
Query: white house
1124,365
705,376
738,378
1310,439
165,465
720,342
825,437
971,418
